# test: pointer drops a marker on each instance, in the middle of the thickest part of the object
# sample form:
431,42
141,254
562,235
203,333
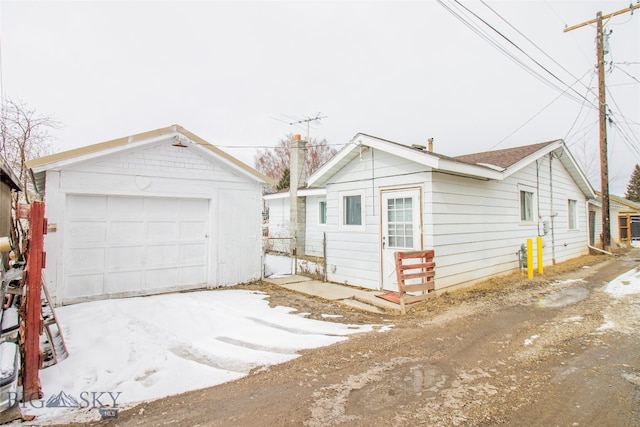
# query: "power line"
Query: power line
483,35
536,115
583,131
523,52
581,108
633,77
530,41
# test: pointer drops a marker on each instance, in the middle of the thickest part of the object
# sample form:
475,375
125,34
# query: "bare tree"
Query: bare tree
273,162
24,135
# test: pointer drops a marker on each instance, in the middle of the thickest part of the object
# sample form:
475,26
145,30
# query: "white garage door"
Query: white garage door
129,245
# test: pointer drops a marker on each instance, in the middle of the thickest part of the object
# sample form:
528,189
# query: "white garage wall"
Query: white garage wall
211,216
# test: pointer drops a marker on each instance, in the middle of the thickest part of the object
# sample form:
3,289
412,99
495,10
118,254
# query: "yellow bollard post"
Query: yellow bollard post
530,258
539,255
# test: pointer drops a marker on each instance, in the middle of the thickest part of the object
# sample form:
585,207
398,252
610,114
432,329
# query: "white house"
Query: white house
154,212
474,211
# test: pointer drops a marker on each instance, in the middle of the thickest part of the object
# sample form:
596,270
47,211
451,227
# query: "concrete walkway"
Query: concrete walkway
353,297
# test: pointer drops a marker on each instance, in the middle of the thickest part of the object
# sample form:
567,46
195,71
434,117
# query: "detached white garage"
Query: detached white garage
155,212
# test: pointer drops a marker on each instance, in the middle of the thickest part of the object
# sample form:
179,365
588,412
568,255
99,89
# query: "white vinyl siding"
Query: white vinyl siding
353,254
165,219
475,226
314,233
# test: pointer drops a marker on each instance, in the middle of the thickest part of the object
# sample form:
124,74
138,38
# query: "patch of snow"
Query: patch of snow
331,316
277,265
625,284
573,319
8,352
530,340
146,348
635,243
606,325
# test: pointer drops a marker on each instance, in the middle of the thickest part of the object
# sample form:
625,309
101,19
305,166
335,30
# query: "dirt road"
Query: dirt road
553,351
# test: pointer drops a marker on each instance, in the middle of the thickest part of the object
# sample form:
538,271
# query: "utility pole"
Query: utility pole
604,167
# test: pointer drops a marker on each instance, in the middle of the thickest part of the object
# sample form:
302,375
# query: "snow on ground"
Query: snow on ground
282,265
124,351
625,284
277,265
149,347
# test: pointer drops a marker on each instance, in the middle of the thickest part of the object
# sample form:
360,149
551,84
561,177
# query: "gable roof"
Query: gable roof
503,158
622,203
8,176
54,161
489,165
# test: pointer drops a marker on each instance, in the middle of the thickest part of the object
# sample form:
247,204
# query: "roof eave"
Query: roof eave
82,154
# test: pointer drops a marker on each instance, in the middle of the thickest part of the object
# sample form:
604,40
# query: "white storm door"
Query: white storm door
401,228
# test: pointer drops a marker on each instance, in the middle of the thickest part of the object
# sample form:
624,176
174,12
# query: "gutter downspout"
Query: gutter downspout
552,214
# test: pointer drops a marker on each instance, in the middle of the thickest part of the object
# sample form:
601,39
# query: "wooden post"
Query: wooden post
30,305
604,166
604,163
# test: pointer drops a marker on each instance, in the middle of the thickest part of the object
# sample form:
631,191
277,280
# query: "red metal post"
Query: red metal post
31,304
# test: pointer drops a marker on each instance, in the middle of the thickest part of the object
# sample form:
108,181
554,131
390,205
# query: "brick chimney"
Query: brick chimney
297,205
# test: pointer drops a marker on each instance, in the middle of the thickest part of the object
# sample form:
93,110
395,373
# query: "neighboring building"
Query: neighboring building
624,218
474,211
316,220
154,212
9,182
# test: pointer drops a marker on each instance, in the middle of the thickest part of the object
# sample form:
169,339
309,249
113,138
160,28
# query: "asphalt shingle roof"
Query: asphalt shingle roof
502,158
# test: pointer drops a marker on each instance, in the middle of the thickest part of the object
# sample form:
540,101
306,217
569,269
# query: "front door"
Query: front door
401,230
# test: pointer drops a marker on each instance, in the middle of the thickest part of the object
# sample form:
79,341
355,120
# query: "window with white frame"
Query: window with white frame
526,205
352,210
573,223
322,212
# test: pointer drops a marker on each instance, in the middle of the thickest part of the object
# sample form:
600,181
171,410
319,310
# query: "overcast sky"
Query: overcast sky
237,73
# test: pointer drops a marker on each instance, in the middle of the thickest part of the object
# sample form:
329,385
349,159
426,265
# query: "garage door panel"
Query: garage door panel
159,255
192,230
85,285
188,274
87,206
162,208
125,258
192,253
126,231
161,278
125,207
125,245
87,233
86,260
123,282
194,209
162,231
